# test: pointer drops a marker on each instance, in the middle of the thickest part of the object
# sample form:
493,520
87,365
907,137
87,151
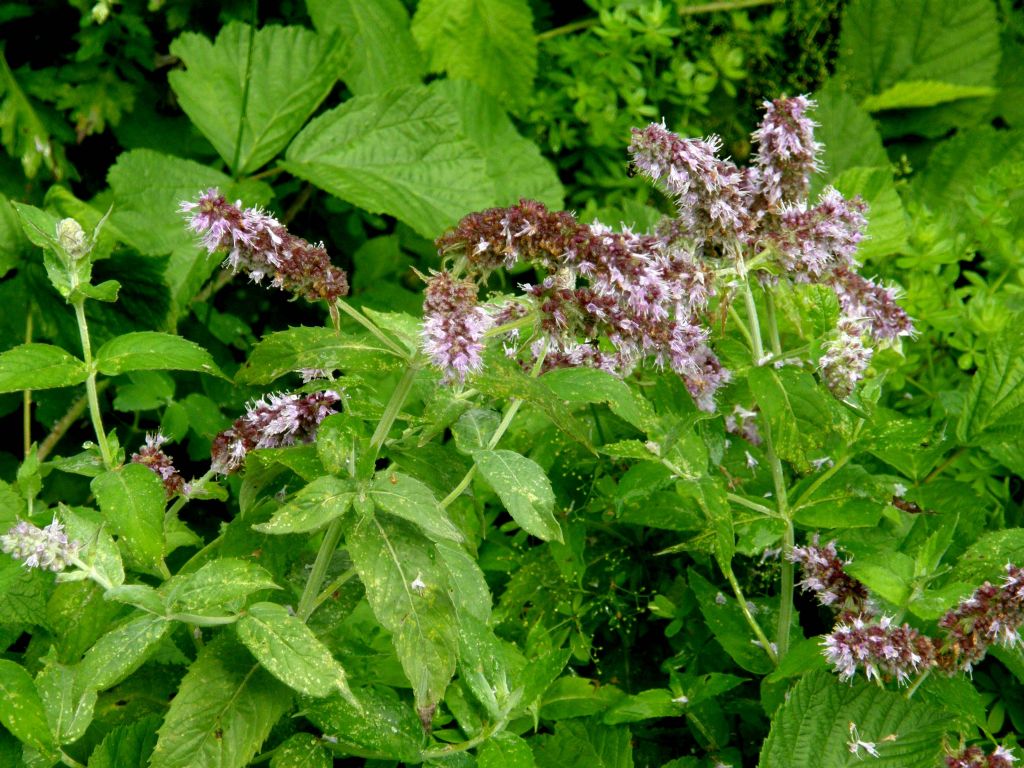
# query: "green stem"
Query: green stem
758,632
245,89
723,5
917,684
66,421
464,746
566,29
392,409
69,761
182,500
523,322
755,325
364,321
745,502
90,383
773,326
820,480
26,424
742,326
333,587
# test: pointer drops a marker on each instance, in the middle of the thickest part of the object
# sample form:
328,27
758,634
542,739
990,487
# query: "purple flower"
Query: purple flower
845,359
258,244
975,757
824,577
151,455
864,299
787,153
814,242
884,651
742,422
277,421
454,326
44,548
991,615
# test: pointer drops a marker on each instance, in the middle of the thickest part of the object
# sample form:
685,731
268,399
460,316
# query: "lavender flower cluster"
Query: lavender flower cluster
151,455
975,757
44,548
992,614
276,421
260,245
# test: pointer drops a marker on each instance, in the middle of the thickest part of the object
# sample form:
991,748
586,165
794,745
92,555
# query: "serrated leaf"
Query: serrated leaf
890,577
217,584
384,725
725,620
153,351
287,351
68,703
377,49
812,729
411,500
289,650
589,385
406,590
99,551
585,743
505,750
847,132
323,500
403,153
39,366
798,411
127,746
132,499
909,94
21,710
490,42
121,651
270,87
986,558
523,488
223,711
474,429
887,223
301,750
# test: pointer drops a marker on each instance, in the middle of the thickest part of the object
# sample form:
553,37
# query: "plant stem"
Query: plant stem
245,88
464,746
773,326
69,761
820,480
745,502
26,423
755,325
917,684
742,326
333,587
567,29
392,409
758,632
944,465
64,424
90,383
723,5
364,321
182,500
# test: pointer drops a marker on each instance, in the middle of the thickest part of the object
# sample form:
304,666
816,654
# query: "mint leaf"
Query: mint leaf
39,366
68,702
506,750
523,488
291,70
153,351
489,42
323,500
301,750
218,584
411,500
132,500
127,746
121,651
923,93
21,709
383,725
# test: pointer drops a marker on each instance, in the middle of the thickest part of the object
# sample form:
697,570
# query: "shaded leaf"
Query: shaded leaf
322,501
21,710
39,366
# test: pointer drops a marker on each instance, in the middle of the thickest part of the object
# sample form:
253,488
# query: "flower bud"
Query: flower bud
72,239
44,548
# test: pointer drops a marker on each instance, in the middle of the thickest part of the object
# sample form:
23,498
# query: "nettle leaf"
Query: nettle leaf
848,133
951,42
287,351
132,500
411,500
523,488
68,703
322,501
405,587
382,725
490,42
271,86
404,153
585,743
39,366
219,583
301,750
814,727
153,351
923,93
223,711
289,650
121,651
887,221
21,710
377,49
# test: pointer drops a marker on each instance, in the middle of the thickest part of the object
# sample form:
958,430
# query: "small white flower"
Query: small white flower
824,461
720,599
418,585
681,700
856,744
751,461
899,489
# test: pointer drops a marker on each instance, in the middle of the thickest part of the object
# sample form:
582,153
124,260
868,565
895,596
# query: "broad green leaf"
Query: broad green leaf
121,651
139,595
589,385
322,501
39,366
12,241
404,153
289,650
474,429
411,500
153,351
407,591
585,743
523,488
128,745
887,224
220,583
467,585
287,351
270,82
798,411
952,42
923,93
483,668
889,576
490,42
21,710
377,49
726,622
301,750
68,702
851,498
813,728
506,750
713,501
148,187
223,711
132,500
571,696
98,551
645,705
384,725
986,558
336,441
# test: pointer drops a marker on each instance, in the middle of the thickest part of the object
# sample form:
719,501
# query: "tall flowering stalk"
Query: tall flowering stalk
151,455
454,326
825,577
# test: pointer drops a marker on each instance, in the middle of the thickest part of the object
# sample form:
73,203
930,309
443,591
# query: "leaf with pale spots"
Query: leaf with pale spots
523,488
411,500
122,651
322,501
153,351
132,500
21,709
220,584
384,725
39,366
301,750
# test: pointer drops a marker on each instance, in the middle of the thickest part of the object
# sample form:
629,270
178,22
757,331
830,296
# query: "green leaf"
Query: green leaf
585,743
121,651
153,351
952,42
890,576
289,650
645,705
223,711
847,132
287,351
887,221
474,429
726,622
21,709
99,551
270,82
468,587
377,49
406,590
986,558
523,488
490,42
336,441
411,500
68,703
813,728
219,584
132,500
39,366
589,385
128,745
384,725
572,697
798,411
403,153
301,750
909,94
323,500
505,750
